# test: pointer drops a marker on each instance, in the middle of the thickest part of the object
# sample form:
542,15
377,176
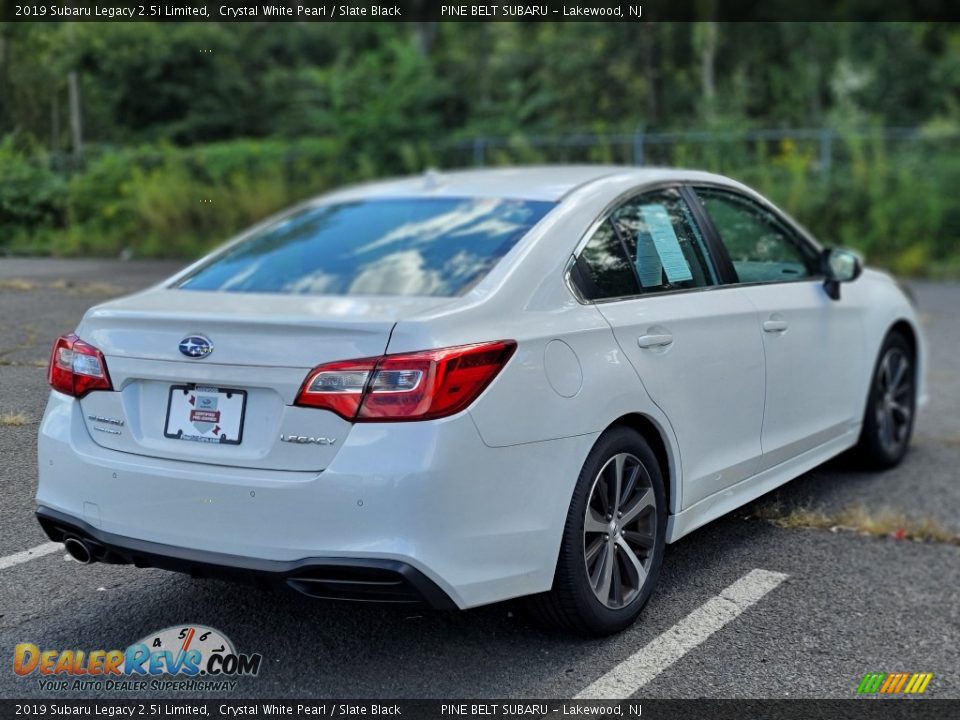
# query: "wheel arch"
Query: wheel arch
656,438
905,328
910,329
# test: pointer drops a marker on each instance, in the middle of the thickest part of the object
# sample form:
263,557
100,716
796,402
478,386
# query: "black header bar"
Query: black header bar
463,11
454,709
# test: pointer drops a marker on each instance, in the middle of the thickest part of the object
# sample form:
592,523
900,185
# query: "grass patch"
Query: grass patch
85,288
13,419
17,284
884,522
6,362
97,288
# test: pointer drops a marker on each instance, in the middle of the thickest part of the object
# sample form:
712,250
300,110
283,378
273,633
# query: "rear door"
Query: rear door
813,345
693,343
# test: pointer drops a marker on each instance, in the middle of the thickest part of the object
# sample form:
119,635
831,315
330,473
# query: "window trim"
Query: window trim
606,214
726,272
794,233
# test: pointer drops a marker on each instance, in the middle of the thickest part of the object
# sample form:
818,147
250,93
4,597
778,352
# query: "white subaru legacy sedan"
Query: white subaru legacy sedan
467,387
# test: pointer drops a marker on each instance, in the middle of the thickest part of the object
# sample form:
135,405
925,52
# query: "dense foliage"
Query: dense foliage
193,130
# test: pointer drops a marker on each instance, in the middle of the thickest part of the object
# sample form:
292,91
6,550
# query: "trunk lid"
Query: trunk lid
263,346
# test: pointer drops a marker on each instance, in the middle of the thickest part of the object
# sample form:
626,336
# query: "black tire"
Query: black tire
891,407
574,603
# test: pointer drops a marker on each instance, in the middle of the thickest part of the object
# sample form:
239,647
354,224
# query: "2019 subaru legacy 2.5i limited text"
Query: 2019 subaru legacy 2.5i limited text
473,386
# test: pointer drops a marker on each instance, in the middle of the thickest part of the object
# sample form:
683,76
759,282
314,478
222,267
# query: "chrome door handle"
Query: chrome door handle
652,341
774,326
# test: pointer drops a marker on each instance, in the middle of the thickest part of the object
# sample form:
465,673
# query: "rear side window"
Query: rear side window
647,245
606,269
411,246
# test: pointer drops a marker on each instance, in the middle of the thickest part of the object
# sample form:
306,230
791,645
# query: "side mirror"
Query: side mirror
839,266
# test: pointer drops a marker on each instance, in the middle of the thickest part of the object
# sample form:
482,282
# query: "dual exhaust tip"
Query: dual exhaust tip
78,550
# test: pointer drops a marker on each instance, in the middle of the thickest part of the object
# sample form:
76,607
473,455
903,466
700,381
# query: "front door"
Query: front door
813,345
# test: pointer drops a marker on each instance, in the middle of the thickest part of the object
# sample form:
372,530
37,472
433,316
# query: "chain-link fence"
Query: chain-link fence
821,146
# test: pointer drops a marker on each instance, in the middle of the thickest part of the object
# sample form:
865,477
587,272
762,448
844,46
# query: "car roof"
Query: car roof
549,183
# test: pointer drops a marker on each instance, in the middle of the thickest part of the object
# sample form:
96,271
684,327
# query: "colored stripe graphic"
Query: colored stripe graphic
894,683
871,683
918,683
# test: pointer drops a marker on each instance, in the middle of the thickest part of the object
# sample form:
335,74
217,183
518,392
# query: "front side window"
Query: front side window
647,245
761,247
408,246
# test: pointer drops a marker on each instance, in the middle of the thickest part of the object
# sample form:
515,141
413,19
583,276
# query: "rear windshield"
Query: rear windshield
413,246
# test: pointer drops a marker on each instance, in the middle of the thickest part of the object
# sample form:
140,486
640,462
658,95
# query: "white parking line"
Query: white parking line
663,651
21,557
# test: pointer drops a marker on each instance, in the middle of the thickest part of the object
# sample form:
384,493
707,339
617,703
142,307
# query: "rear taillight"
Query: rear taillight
77,367
410,386
337,386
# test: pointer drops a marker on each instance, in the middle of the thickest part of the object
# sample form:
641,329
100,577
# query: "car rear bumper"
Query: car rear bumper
365,580
482,524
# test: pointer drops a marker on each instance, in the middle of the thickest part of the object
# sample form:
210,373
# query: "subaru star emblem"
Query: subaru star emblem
196,346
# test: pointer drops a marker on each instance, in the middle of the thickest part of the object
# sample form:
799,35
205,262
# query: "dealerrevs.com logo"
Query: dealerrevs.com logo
201,658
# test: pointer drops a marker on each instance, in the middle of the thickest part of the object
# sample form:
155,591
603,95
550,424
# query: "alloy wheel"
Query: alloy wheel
619,530
894,399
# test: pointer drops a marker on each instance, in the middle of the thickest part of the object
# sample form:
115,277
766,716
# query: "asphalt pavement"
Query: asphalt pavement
850,603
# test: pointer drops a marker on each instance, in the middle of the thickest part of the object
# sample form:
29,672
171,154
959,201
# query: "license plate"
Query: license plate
205,414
